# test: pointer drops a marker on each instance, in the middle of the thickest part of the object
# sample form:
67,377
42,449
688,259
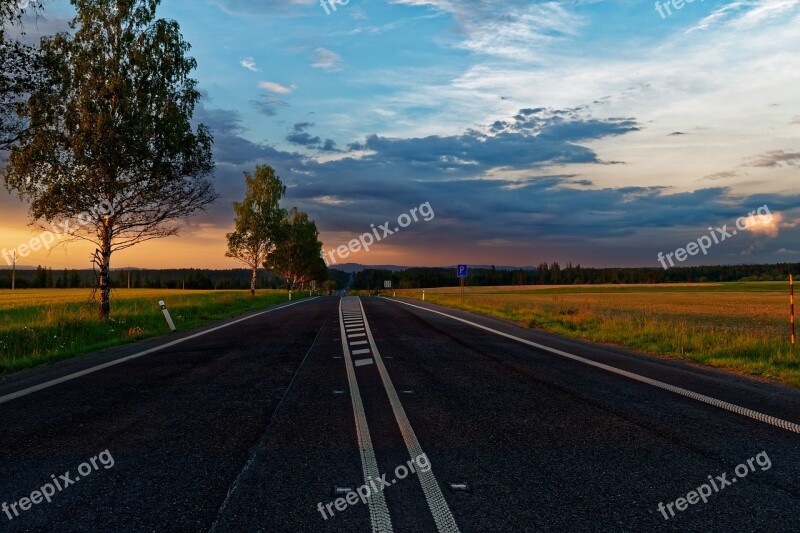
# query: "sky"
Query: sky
595,132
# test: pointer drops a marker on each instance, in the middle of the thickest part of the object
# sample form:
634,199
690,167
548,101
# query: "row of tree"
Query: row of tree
41,278
554,274
178,278
102,116
265,235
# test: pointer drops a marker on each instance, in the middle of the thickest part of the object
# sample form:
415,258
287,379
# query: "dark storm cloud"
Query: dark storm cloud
303,139
450,173
329,146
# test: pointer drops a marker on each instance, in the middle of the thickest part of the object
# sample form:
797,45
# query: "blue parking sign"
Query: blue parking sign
462,271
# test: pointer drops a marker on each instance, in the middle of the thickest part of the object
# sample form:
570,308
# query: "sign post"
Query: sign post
387,284
462,275
791,305
166,315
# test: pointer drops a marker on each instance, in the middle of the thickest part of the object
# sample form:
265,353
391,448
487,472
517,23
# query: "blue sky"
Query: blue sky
597,132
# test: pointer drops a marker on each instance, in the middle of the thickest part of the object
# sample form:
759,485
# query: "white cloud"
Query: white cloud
326,60
249,63
331,200
276,87
743,13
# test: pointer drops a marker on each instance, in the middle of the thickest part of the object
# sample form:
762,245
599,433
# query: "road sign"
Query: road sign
387,284
462,271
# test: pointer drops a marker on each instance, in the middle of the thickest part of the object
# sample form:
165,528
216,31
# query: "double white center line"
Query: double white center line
352,321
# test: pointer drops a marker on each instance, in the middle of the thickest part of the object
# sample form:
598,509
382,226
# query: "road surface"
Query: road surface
373,414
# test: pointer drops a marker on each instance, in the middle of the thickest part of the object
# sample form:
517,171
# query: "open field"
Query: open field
743,327
44,325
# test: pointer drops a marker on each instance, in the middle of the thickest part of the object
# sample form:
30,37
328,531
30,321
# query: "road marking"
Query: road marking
378,511
433,493
57,381
362,362
356,343
739,410
353,330
355,335
360,352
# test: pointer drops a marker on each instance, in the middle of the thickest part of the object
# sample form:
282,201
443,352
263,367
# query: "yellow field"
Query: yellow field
27,297
743,327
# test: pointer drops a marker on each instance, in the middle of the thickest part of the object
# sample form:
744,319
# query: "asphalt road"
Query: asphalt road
432,420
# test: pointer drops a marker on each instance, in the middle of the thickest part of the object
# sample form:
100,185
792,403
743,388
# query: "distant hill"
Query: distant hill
358,267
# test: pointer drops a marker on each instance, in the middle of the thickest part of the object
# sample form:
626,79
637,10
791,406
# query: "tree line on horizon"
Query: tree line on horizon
554,274
141,278
412,278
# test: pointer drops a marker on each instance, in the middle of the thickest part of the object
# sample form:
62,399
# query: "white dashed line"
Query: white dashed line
445,523
378,511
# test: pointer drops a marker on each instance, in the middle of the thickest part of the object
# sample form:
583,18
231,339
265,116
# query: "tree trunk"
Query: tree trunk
105,278
253,282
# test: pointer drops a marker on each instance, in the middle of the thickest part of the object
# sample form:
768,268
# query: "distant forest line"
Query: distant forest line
189,278
411,278
554,274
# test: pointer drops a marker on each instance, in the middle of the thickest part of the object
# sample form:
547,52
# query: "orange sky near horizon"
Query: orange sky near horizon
195,247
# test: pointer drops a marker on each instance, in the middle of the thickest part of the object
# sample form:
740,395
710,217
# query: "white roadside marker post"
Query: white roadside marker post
166,315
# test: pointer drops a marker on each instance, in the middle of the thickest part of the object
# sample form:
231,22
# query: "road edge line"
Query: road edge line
69,377
731,407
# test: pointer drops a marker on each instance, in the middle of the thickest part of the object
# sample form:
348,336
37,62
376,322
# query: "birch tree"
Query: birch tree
258,219
114,129
298,254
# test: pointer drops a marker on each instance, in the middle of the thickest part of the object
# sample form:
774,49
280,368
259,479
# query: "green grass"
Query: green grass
742,327
42,326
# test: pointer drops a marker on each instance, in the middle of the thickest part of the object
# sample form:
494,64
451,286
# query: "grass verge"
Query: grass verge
40,326
742,327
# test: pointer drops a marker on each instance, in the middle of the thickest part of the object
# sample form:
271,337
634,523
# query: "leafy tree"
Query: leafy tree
297,256
330,286
258,219
114,130
22,70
